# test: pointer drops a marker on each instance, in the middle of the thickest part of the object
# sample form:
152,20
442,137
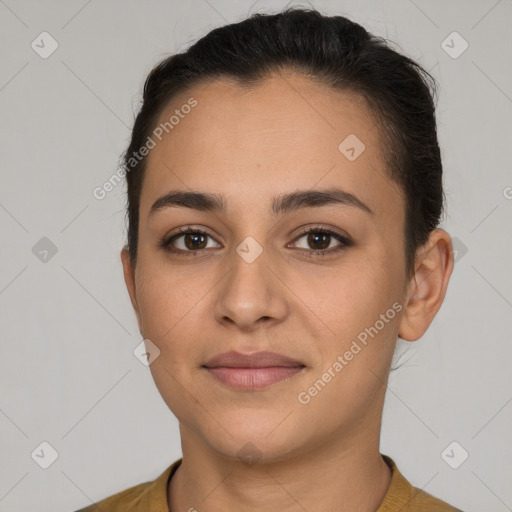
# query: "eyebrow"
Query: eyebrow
283,203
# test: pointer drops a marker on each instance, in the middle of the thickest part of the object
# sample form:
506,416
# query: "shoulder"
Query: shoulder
120,501
404,497
145,497
421,500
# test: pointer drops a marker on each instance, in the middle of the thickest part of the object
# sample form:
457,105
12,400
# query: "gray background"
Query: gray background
68,375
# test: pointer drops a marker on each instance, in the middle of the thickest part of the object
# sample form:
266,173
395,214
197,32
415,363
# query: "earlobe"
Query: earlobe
129,279
427,288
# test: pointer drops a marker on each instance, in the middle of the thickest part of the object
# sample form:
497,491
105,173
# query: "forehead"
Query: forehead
286,133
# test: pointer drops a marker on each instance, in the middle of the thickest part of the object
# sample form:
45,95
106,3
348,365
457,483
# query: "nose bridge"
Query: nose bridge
250,290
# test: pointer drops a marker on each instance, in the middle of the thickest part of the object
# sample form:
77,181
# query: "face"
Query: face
254,279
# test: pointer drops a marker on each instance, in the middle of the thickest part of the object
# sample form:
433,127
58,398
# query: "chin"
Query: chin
255,436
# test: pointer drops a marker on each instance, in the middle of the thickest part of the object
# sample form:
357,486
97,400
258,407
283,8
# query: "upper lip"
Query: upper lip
235,359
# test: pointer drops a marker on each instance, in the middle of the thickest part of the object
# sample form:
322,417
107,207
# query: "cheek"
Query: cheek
359,308
166,297
351,297
176,318
360,311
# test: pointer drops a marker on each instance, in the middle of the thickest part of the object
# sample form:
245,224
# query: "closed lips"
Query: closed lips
256,360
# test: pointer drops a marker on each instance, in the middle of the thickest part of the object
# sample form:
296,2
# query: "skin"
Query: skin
251,145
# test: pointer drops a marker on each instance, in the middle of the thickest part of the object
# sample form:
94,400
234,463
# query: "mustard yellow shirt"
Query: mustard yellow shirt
152,496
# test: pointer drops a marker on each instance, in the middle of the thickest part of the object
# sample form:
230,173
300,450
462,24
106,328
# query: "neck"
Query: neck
344,474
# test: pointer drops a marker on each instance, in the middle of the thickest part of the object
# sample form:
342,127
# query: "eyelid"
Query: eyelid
325,229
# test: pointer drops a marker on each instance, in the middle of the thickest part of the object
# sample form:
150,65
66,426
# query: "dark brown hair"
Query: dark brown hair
340,54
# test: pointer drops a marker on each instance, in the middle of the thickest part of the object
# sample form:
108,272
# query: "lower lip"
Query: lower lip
253,378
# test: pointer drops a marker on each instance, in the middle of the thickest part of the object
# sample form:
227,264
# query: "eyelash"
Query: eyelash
166,242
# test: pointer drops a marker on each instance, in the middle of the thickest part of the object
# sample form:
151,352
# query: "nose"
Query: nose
251,294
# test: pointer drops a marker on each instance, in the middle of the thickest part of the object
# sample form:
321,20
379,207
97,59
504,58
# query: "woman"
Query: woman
284,196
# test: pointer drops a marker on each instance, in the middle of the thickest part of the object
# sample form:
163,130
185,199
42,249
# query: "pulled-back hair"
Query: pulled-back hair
332,50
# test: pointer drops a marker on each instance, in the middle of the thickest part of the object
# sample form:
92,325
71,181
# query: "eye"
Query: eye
188,240
322,241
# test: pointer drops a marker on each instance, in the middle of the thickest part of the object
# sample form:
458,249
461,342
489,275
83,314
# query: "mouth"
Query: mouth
253,378
252,371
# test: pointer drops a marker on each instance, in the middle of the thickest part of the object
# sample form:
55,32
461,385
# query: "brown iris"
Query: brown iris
313,239
191,241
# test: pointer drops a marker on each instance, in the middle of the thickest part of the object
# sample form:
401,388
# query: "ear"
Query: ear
129,279
427,288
